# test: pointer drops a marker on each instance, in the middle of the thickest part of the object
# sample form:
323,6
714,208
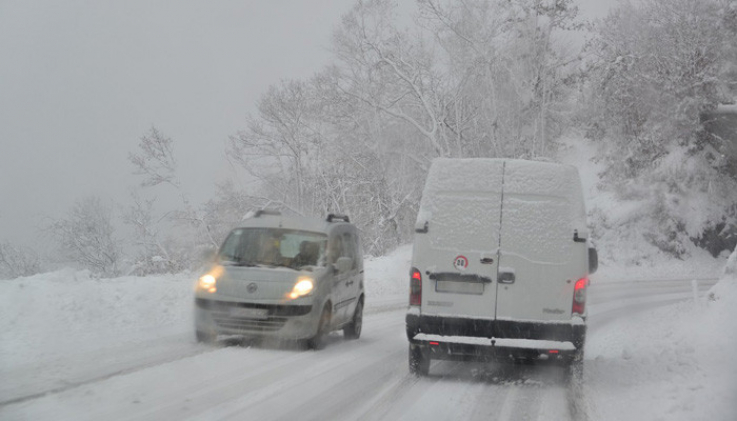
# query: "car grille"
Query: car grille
271,324
274,319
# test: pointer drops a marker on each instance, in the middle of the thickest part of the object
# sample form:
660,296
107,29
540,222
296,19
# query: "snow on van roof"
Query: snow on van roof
482,174
519,176
466,174
543,204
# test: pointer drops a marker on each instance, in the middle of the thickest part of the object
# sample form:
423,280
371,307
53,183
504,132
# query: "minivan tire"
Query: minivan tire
317,342
353,330
419,360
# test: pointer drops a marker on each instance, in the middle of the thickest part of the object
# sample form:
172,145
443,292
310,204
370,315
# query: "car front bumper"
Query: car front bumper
255,319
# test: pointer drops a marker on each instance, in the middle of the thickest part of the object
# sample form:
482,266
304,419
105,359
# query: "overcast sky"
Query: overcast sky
82,81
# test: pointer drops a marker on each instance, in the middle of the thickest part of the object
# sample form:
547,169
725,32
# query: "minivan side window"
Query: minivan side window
349,248
335,249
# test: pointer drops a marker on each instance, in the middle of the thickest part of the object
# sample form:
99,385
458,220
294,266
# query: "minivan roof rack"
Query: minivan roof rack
334,216
266,211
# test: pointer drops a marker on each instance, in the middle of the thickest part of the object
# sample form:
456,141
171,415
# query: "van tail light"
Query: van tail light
415,287
579,296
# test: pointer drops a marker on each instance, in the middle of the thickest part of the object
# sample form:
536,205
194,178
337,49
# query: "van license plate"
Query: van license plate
250,313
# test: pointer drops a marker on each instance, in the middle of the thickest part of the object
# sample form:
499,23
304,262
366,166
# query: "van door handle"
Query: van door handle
487,261
576,238
506,278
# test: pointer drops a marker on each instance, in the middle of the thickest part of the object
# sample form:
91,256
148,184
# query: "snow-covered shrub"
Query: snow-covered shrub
87,237
16,261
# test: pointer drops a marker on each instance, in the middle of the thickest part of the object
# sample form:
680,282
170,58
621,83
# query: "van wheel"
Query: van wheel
575,366
419,360
353,330
317,342
205,337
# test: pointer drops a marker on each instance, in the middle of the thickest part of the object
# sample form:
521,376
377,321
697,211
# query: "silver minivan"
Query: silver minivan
285,277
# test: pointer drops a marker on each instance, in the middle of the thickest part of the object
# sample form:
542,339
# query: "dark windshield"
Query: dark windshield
273,247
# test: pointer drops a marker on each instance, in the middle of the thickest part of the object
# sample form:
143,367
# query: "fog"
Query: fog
82,81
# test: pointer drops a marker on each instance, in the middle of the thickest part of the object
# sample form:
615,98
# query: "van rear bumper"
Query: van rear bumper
462,338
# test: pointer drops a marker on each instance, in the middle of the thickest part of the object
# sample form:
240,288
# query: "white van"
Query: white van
500,263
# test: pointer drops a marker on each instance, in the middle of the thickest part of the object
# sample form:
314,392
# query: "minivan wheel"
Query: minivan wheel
205,337
317,342
419,360
353,330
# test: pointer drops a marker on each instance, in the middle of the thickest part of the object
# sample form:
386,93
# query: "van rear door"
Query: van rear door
539,260
457,255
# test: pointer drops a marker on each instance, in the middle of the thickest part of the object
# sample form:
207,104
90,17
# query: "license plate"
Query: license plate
250,313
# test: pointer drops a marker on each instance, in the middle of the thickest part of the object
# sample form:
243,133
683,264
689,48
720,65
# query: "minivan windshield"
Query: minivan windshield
273,247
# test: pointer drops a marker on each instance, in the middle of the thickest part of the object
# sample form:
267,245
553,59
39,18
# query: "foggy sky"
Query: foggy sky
82,81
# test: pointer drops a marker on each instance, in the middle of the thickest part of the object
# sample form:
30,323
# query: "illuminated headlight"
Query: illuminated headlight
304,286
208,283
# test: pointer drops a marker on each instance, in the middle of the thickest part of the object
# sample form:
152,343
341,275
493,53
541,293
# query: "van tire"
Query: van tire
205,337
353,330
574,369
317,342
419,360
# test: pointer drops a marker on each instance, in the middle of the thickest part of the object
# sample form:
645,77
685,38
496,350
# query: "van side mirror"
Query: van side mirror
421,227
344,264
593,260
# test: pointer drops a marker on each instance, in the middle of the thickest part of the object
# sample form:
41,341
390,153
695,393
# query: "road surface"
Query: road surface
174,378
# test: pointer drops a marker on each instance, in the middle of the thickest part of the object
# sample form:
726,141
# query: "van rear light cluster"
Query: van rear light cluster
579,296
415,287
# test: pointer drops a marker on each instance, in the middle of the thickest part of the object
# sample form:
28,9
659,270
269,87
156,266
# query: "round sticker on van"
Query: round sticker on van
460,263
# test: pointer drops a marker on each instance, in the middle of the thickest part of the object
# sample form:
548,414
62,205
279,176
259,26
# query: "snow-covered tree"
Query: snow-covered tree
512,72
187,226
282,146
87,236
656,67
476,78
16,261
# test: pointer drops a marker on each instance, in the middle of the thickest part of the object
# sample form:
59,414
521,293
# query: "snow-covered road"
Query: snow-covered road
171,377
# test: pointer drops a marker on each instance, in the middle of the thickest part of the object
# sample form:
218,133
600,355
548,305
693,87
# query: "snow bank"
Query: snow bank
48,315
51,316
672,363
52,325
388,276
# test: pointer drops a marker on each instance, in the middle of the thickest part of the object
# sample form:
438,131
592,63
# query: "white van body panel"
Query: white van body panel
521,214
542,208
463,217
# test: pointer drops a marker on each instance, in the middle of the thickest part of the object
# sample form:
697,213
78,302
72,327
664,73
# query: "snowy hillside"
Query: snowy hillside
619,225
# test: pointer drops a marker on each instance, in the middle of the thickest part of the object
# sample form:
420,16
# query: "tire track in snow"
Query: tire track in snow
292,376
236,382
164,358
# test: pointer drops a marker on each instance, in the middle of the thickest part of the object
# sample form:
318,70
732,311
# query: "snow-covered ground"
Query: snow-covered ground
72,346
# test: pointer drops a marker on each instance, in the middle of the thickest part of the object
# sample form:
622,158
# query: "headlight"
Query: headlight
304,286
208,283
